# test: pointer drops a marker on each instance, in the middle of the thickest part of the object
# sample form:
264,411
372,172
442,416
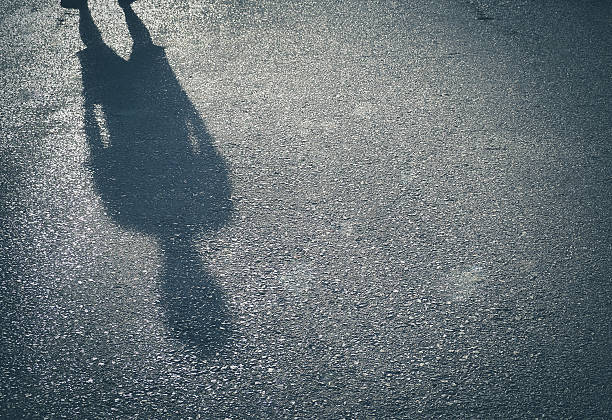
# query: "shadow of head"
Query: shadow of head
156,170
195,307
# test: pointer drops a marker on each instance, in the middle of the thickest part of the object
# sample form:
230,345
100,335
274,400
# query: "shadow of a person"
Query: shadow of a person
156,170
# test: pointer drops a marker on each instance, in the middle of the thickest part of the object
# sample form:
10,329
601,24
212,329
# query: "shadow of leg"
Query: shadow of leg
89,32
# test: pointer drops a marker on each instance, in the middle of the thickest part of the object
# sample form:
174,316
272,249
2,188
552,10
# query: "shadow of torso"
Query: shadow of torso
157,172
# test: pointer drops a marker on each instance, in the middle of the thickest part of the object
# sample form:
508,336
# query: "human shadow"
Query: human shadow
157,171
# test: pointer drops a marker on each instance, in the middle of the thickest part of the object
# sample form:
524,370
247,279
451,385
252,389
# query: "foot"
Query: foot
73,4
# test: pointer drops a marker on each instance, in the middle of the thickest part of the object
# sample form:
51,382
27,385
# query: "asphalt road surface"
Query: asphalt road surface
319,209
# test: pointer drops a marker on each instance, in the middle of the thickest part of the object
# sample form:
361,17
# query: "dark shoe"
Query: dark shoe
125,3
73,4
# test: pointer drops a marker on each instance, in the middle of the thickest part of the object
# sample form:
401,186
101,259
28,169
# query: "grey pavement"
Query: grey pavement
319,209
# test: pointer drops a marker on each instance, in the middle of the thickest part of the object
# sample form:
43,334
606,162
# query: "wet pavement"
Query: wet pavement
260,209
